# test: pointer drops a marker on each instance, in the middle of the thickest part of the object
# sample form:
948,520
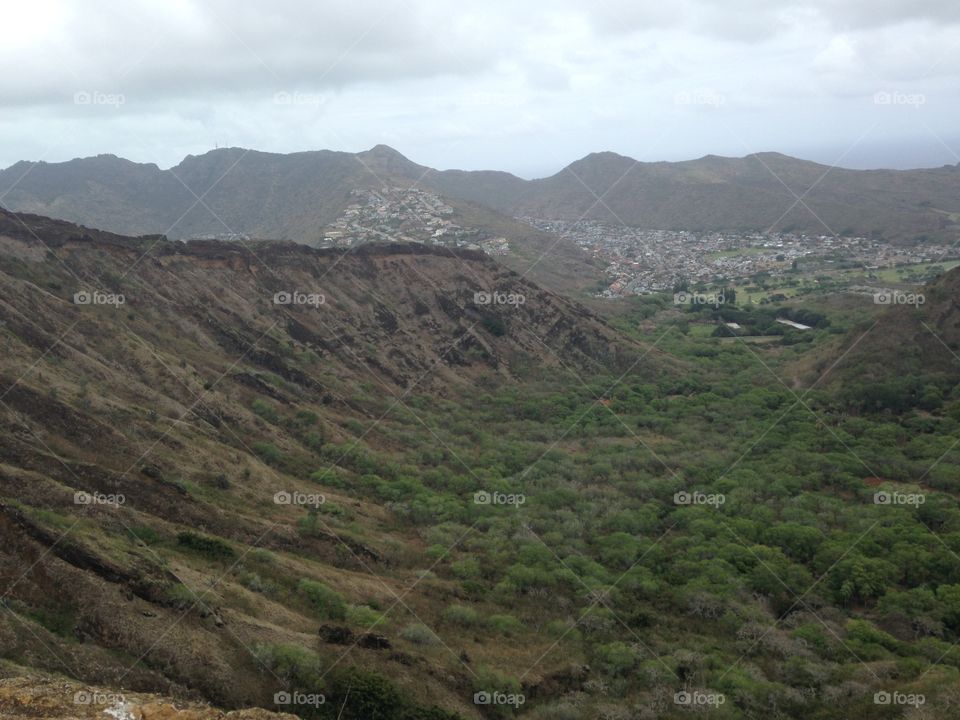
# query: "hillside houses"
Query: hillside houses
395,214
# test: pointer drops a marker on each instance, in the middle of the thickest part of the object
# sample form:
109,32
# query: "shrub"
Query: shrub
504,624
494,324
251,581
263,556
461,615
265,410
365,616
327,602
267,452
331,477
492,680
292,663
308,525
365,695
419,634
307,417
210,547
563,629
616,658
145,534
466,569
181,597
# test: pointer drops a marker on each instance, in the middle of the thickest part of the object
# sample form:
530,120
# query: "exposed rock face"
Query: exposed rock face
46,698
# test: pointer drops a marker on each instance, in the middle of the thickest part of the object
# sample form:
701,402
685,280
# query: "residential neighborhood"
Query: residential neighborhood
395,214
639,261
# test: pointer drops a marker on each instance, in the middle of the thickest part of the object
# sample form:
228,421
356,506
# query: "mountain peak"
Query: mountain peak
605,160
603,155
384,152
383,159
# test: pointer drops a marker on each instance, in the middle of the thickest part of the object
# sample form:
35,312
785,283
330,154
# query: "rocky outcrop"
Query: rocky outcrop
32,698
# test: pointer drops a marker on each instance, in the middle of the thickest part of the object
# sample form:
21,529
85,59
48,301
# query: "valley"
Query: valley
414,500
437,360
468,360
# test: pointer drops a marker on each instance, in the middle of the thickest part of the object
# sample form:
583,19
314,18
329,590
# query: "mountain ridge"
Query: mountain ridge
293,196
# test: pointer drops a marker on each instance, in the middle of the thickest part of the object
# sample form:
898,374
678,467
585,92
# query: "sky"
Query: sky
526,87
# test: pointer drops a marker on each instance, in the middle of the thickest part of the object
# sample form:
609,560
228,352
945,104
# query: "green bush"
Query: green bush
263,556
616,658
328,603
268,452
265,410
145,534
291,663
504,624
466,569
180,596
365,616
307,417
462,615
210,547
419,634
356,694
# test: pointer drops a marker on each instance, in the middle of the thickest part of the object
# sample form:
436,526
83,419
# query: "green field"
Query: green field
915,274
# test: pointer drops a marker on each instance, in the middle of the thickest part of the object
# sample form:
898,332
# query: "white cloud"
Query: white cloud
494,83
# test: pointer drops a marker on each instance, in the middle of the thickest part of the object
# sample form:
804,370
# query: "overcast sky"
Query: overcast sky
521,86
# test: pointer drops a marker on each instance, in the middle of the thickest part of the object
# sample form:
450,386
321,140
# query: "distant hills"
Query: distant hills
756,192
260,195
293,196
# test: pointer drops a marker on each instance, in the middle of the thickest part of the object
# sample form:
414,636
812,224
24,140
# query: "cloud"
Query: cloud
496,83
154,50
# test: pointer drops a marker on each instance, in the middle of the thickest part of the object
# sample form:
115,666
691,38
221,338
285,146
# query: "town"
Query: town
639,261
